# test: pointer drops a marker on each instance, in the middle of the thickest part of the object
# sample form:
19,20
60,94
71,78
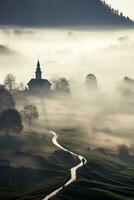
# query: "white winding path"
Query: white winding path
73,171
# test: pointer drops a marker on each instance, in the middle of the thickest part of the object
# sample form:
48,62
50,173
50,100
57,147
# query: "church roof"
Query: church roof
39,82
91,76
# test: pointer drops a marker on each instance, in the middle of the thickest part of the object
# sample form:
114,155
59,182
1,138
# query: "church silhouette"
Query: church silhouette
39,85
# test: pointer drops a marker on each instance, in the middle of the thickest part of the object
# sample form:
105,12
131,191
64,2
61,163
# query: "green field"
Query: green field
36,168
105,177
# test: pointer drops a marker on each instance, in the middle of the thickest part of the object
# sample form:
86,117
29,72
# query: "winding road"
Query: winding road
73,170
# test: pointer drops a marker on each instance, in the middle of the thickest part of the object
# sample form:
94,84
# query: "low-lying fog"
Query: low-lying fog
70,53
73,54
105,122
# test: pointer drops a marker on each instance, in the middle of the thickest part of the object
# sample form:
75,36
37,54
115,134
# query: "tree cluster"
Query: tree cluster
10,119
6,99
117,13
61,86
62,12
29,113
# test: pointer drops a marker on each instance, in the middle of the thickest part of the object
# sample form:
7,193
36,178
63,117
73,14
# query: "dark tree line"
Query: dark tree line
6,99
60,13
10,119
116,12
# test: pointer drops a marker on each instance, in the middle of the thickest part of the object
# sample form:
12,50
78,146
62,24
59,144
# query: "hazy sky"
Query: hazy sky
127,6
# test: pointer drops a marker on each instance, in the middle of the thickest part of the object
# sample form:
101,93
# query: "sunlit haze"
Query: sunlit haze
70,53
66,99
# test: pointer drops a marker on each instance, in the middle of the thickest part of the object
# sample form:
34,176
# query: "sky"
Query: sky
126,6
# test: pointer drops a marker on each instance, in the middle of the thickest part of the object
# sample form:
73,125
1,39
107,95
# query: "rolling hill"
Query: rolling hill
60,13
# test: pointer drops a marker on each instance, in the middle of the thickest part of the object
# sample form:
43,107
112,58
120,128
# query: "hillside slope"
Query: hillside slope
59,13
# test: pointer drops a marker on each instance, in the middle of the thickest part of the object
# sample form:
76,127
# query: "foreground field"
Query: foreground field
105,176
36,167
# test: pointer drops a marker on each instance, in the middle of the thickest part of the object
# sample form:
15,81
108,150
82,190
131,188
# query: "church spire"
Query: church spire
38,72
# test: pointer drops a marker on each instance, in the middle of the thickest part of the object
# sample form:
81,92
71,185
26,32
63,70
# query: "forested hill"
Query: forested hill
60,13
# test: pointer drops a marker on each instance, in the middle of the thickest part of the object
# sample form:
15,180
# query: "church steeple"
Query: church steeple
38,72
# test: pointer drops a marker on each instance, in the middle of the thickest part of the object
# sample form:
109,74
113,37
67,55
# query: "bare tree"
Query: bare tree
10,82
30,113
61,86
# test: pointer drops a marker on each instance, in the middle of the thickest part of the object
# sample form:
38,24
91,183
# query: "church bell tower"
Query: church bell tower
38,72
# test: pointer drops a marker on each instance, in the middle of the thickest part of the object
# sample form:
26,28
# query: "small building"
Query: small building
91,82
39,85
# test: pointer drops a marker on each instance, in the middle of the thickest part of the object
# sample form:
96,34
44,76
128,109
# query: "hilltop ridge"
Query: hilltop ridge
60,13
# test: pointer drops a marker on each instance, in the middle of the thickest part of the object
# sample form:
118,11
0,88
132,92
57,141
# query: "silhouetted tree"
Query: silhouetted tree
61,86
30,113
10,121
10,82
6,99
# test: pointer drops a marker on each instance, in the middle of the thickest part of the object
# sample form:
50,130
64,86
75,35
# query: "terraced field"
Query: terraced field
105,177
36,167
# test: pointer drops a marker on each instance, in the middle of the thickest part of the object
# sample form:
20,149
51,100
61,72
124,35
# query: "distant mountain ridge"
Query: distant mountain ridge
60,13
